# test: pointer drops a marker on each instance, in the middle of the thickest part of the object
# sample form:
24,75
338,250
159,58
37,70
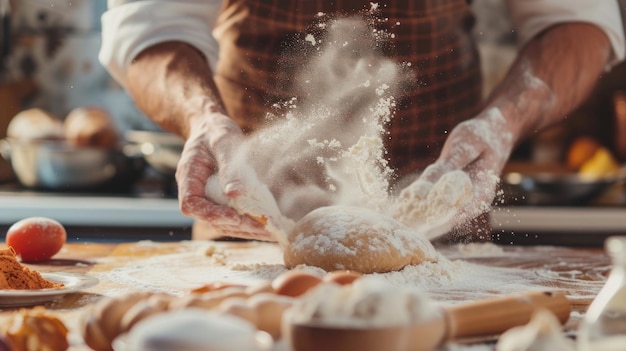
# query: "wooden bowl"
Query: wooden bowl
422,337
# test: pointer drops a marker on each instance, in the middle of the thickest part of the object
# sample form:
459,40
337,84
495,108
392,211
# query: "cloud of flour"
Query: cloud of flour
328,148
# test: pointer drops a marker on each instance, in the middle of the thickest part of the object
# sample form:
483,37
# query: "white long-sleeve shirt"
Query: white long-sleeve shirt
130,26
531,17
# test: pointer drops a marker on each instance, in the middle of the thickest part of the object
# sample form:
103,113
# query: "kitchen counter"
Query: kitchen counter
581,226
100,217
129,218
484,270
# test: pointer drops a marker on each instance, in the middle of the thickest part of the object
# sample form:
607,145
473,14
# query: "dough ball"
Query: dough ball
33,124
90,126
356,239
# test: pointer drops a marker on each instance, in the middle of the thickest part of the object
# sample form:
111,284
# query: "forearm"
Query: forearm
172,84
552,75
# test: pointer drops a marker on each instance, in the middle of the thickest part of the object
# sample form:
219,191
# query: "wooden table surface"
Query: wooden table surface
580,272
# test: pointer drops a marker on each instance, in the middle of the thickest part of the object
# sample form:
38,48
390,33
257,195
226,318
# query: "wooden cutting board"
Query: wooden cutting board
579,270
179,266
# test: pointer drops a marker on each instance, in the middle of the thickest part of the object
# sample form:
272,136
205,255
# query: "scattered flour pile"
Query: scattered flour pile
454,277
328,147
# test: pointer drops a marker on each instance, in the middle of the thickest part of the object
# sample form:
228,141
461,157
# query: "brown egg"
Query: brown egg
265,287
270,309
214,286
342,277
295,283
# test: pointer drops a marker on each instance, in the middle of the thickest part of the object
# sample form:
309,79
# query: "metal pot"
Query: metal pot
56,165
545,188
160,149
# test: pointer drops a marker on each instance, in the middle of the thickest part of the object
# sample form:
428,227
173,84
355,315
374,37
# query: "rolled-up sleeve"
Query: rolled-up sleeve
131,26
530,17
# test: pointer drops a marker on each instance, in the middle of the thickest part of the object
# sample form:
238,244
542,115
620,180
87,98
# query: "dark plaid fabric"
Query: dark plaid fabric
432,35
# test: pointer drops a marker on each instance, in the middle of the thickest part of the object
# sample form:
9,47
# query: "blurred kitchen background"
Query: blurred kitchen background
49,60
599,117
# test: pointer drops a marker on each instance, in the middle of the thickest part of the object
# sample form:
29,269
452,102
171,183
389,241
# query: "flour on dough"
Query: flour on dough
353,238
431,208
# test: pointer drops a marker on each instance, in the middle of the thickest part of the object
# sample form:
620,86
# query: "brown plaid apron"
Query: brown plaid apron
433,35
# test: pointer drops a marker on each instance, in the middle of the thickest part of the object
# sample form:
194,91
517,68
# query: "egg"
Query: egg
295,283
264,287
239,307
213,286
269,309
342,277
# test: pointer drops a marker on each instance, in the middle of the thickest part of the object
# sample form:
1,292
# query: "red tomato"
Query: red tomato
36,238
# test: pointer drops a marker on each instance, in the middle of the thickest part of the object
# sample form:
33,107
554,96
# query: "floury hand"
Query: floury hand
462,183
208,149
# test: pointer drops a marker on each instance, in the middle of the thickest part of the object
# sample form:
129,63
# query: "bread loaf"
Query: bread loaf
112,317
90,126
35,329
258,304
35,124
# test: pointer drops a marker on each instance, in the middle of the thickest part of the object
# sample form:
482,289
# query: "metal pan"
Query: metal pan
548,188
160,149
56,165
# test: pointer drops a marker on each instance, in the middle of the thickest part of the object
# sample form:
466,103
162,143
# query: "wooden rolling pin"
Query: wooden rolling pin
494,316
481,318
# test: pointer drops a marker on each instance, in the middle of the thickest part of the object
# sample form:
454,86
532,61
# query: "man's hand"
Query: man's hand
552,75
172,83
209,150
480,147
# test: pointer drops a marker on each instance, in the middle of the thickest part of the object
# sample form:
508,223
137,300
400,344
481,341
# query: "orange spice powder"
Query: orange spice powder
15,276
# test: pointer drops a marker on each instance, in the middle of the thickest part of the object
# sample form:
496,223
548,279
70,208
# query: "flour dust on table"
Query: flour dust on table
458,275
